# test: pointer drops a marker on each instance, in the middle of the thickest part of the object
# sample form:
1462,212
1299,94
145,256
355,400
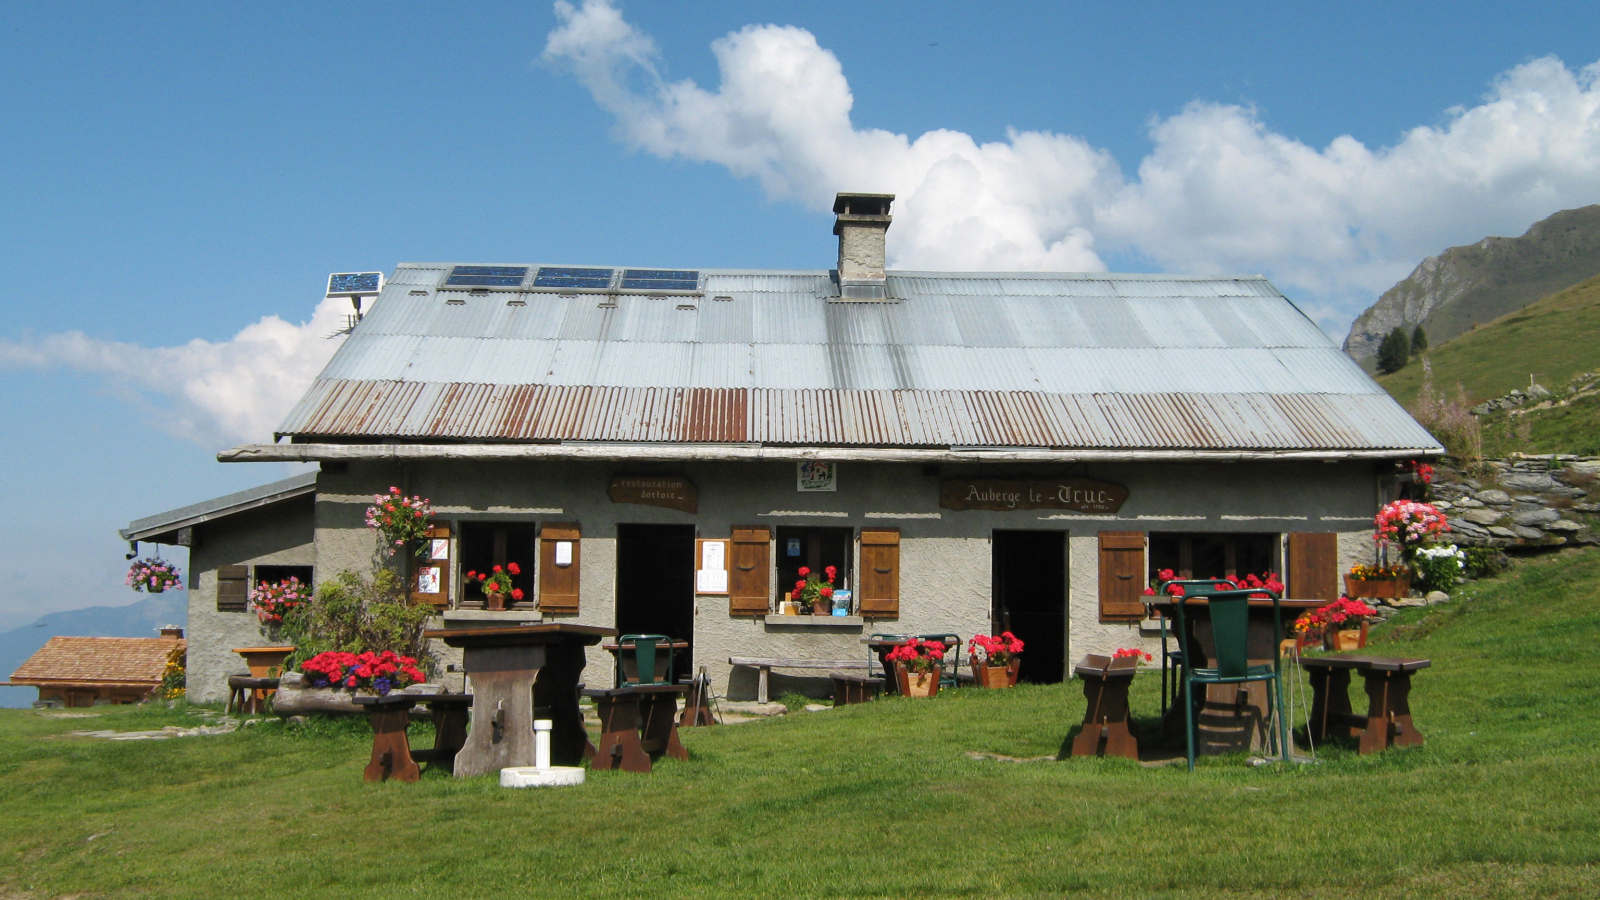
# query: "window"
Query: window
1213,555
815,548
485,545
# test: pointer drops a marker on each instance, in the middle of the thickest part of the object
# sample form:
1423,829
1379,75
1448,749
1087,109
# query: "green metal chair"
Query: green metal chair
644,656
1172,659
951,665
1230,629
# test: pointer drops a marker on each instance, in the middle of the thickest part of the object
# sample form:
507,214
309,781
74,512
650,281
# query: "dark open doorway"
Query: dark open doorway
655,585
1030,599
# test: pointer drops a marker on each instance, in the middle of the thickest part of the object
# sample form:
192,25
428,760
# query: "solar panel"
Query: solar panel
559,277
659,280
487,276
354,284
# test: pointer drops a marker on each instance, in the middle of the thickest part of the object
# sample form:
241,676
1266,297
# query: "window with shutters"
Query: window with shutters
559,564
484,545
233,588
1314,566
878,590
749,571
814,549
1122,576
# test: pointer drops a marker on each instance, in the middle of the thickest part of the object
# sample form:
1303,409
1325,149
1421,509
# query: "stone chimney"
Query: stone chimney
171,631
862,222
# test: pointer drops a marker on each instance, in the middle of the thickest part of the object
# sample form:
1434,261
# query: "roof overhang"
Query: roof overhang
664,452
168,524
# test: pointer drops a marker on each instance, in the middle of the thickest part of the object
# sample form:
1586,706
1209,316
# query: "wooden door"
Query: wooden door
1314,566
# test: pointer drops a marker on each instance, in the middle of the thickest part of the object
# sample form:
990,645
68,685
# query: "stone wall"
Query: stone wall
1521,502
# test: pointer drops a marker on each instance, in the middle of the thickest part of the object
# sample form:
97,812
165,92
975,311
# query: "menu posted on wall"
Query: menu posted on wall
1078,494
711,567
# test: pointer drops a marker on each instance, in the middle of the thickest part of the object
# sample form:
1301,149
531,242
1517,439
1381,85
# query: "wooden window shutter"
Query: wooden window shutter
749,568
558,585
1122,577
1314,566
436,567
879,585
233,588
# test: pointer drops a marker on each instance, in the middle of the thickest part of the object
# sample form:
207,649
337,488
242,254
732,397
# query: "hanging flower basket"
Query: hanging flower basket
399,521
153,576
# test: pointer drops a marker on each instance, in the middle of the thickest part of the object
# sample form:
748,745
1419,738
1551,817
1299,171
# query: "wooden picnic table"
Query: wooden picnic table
392,756
1388,683
514,670
637,723
1232,717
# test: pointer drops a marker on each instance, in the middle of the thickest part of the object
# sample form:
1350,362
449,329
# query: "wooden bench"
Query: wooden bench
248,694
765,666
637,723
1388,683
392,756
848,689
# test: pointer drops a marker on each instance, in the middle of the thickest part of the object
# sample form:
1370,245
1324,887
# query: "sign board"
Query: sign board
671,491
1079,494
711,566
814,475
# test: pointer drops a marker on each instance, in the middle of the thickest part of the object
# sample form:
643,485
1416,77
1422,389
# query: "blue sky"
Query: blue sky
174,173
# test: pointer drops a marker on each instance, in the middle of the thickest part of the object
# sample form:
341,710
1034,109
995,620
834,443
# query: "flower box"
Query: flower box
995,676
918,684
1377,588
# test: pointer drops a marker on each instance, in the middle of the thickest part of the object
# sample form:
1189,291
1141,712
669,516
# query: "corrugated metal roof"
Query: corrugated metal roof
982,359
217,507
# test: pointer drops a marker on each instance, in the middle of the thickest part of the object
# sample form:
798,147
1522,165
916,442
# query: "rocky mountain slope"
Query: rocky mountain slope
1464,286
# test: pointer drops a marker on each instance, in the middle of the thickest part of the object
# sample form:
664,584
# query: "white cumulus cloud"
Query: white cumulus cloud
214,393
1220,191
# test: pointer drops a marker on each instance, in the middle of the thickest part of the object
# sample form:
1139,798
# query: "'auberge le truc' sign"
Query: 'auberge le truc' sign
1079,494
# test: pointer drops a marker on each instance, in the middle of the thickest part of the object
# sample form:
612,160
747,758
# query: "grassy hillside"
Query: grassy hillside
1555,338
874,801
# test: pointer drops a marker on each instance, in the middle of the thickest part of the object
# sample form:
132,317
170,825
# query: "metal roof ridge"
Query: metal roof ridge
1042,275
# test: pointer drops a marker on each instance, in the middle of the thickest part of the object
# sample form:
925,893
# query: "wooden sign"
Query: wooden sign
671,491
1080,494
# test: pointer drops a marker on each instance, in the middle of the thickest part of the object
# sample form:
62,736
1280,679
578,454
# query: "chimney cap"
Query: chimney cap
862,204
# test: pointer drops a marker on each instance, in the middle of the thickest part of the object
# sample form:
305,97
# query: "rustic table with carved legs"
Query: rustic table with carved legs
1388,685
514,670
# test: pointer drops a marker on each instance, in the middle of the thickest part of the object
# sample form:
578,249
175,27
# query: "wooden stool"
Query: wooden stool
849,689
1105,720
248,694
637,724
449,712
1388,685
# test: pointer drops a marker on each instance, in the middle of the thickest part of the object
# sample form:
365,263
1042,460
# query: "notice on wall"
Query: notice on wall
563,553
670,491
1080,494
439,548
428,580
814,475
711,568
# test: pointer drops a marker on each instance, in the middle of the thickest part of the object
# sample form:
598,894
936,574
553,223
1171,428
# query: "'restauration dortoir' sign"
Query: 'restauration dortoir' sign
671,491
1079,494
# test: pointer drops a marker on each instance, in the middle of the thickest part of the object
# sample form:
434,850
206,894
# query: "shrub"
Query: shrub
1485,562
352,614
1450,420
1439,567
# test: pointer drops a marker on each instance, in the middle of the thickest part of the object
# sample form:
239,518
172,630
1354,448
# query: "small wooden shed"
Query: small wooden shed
85,671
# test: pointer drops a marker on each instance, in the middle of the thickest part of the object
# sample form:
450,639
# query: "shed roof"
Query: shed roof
776,358
165,524
98,660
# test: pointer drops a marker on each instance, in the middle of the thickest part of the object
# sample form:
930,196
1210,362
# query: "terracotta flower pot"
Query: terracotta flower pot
822,608
917,684
497,599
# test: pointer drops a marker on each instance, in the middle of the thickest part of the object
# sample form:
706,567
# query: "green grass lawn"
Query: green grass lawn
879,800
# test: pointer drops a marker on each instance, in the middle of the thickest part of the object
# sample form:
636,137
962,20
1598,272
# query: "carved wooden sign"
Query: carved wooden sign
671,491
1080,494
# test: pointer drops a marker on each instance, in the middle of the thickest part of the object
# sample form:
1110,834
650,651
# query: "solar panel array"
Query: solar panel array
563,277
659,280
487,276
354,283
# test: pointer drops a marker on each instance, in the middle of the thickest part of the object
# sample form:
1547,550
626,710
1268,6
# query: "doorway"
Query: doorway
1030,599
655,585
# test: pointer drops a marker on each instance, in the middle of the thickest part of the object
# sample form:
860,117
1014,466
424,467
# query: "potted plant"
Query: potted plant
272,602
1310,630
1129,657
1382,581
814,594
153,575
995,659
917,665
399,521
497,584
1346,623
376,673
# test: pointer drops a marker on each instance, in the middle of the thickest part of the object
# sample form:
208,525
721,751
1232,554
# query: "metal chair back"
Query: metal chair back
644,656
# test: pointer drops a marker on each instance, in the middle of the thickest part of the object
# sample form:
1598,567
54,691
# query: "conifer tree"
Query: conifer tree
1394,352
1419,341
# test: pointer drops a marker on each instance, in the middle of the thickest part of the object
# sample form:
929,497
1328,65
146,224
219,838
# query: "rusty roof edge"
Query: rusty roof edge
737,453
